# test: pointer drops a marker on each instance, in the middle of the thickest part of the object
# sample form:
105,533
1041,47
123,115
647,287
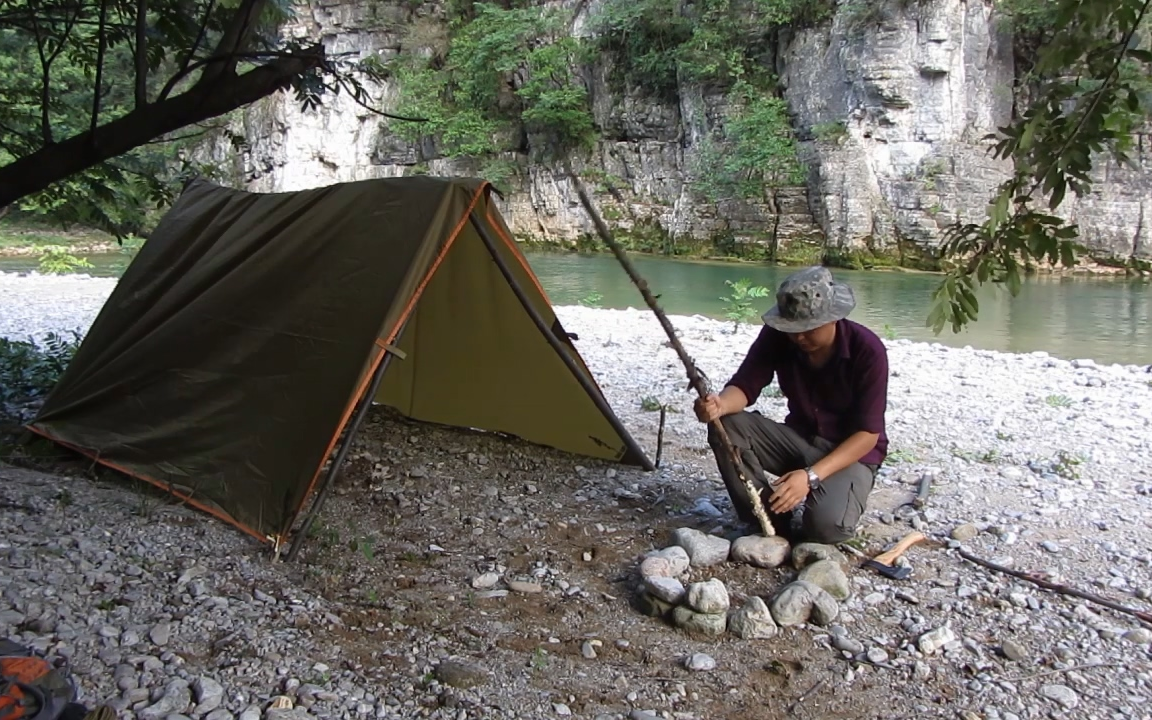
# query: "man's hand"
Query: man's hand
789,491
708,408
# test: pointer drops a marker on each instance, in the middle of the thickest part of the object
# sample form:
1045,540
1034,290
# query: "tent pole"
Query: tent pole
334,468
601,403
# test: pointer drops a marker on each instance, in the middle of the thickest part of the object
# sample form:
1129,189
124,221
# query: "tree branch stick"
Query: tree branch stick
1142,615
695,379
141,47
102,46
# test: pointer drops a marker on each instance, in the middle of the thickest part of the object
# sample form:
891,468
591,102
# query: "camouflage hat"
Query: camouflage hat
807,299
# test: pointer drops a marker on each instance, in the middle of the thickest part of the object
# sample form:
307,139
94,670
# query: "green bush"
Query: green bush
56,260
29,371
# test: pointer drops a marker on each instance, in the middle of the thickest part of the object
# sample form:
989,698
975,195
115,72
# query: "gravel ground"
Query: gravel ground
457,575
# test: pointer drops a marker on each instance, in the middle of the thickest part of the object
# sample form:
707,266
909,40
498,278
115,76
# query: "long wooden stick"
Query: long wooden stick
695,378
1142,615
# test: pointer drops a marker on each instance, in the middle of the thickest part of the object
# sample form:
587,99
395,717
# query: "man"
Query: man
834,373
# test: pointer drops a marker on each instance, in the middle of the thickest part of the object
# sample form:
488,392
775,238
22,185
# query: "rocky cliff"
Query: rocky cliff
891,105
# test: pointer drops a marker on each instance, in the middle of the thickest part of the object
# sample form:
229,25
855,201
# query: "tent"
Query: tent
245,338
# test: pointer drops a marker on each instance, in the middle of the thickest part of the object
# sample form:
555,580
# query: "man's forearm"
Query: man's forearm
732,400
851,450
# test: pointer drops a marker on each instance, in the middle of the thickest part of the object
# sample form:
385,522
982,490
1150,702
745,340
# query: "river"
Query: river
1104,319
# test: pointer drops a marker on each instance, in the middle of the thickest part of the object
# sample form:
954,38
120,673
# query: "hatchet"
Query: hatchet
883,563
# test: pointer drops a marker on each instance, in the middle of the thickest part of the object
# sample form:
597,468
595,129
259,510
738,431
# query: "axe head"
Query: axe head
896,572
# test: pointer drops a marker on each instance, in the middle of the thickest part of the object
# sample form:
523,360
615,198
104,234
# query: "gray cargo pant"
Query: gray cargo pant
831,511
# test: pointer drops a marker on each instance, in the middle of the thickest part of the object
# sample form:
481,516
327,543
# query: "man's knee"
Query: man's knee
828,525
825,530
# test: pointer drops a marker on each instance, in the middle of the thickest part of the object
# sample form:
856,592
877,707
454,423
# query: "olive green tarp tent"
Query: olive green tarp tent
232,354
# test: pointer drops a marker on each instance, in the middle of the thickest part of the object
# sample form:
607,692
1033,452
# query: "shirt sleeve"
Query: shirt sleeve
757,370
871,390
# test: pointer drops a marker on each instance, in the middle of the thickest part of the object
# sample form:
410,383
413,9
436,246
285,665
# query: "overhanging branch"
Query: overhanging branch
35,172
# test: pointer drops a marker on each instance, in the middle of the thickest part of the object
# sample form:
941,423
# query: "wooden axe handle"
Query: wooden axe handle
889,557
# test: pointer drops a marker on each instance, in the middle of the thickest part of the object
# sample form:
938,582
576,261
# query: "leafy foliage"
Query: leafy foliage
505,70
657,43
79,69
28,371
56,260
1091,95
756,150
739,306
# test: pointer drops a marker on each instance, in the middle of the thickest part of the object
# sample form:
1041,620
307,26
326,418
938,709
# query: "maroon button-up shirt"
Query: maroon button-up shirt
848,394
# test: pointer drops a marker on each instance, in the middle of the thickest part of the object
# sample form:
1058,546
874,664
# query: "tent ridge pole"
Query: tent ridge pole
600,402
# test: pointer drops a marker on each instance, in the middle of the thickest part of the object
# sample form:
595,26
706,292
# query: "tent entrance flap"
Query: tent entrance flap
633,453
253,330
482,356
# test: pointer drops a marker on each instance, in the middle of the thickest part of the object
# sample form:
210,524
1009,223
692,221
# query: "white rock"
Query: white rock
708,597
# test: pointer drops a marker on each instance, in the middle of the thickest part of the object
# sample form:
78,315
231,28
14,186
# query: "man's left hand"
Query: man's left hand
790,491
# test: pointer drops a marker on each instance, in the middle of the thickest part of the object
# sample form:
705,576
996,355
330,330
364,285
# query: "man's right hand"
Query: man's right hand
708,408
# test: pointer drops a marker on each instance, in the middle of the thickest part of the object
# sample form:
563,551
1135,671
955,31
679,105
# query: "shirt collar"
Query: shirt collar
843,347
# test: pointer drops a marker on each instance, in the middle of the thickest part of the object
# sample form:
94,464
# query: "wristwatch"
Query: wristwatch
813,478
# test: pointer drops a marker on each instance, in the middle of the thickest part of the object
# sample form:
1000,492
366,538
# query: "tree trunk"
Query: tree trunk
51,163
774,232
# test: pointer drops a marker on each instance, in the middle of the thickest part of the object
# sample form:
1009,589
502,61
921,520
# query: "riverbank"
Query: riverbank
1038,463
18,241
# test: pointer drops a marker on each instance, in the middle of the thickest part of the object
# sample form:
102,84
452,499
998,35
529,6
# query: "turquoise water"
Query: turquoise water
1101,318
1105,319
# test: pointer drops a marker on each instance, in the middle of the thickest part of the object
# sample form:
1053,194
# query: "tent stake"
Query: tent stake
660,434
334,468
695,378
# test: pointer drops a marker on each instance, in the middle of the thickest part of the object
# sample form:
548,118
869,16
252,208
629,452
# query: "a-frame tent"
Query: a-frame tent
232,354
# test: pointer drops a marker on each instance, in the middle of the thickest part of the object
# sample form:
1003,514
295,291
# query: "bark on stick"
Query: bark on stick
695,377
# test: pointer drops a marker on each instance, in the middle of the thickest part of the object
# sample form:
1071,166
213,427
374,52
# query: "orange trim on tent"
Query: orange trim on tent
516,252
220,514
388,341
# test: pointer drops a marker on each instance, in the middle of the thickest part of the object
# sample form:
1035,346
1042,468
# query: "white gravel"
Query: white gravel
33,305
1039,463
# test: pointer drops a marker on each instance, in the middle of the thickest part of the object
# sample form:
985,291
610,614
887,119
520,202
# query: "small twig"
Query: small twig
1142,615
660,434
695,377
805,695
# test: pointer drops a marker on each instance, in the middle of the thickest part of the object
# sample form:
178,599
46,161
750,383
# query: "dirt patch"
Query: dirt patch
423,510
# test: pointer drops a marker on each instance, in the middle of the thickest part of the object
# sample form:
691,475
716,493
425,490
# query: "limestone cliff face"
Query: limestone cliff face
892,111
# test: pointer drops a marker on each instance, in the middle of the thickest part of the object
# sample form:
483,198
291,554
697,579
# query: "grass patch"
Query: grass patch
23,237
1058,401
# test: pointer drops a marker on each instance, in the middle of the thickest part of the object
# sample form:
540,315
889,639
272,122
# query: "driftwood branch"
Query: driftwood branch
1142,615
695,378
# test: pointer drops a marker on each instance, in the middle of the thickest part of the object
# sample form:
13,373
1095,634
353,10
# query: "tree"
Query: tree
756,156
92,89
1090,94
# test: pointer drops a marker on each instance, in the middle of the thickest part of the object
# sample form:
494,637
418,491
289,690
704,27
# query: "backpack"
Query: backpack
30,687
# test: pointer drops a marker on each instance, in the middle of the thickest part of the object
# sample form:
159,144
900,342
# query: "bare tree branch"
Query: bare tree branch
101,47
356,99
184,69
235,38
141,53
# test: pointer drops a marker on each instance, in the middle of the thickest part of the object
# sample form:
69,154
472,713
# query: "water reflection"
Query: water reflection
1101,318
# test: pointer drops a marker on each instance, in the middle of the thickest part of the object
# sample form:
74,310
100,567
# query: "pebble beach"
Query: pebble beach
1037,463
